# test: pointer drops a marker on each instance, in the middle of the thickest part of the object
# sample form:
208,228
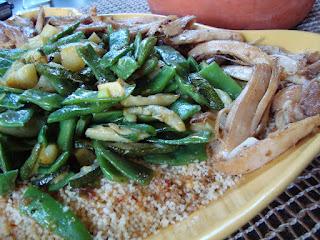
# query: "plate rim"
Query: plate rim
305,152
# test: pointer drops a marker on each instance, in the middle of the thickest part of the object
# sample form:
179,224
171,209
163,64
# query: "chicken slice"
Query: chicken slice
204,35
253,154
239,124
243,51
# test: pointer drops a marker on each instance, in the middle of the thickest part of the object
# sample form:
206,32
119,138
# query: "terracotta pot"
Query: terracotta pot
238,14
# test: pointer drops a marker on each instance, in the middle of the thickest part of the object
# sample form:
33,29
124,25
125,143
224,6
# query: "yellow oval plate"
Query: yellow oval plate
255,190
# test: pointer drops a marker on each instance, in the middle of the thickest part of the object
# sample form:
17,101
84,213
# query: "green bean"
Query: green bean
5,89
145,49
5,164
193,65
7,182
125,67
110,116
139,149
28,129
67,31
206,90
194,138
71,111
172,86
161,80
148,67
131,170
119,39
182,156
185,109
108,170
66,133
82,125
219,79
88,176
59,78
91,58
88,96
54,47
12,54
31,165
4,65
189,90
10,101
137,44
60,181
50,214
58,163
45,100
11,119
112,57
173,58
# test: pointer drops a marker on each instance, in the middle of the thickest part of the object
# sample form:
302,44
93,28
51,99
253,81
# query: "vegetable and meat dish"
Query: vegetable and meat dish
115,128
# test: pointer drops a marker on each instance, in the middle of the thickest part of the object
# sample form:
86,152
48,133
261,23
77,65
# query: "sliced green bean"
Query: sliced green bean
66,133
131,170
60,181
45,100
91,58
7,182
206,90
67,31
58,163
182,156
10,118
119,39
106,117
88,96
71,111
108,170
139,149
185,109
219,79
54,47
82,125
194,138
145,49
5,164
53,216
59,78
161,80
11,101
125,67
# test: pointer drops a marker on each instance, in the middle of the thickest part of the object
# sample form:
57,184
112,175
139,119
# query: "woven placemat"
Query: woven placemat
295,214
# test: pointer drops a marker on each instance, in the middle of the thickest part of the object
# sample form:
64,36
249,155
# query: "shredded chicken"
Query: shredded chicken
243,73
177,26
239,123
40,20
253,153
203,35
243,51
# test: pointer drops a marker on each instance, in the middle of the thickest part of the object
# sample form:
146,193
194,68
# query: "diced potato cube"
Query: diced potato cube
33,43
25,77
34,56
48,154
48,31
70,58
95,38
112,89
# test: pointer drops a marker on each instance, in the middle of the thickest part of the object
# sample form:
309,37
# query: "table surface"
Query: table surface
296,212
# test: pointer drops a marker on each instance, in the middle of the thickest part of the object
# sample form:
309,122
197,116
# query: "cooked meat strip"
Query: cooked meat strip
204,35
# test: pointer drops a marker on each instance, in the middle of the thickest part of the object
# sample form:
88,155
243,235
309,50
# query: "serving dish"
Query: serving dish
254,191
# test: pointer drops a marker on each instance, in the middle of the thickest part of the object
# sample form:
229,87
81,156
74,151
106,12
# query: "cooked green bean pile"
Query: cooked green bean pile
75,108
